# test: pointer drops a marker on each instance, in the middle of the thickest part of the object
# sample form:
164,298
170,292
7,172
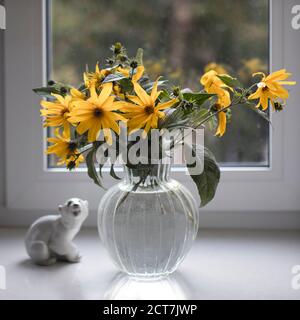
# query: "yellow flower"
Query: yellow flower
271,88
65,149
145,112
94,79
214,85
57,113
97,113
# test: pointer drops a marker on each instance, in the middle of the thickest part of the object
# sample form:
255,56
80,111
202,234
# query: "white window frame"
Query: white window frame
241,191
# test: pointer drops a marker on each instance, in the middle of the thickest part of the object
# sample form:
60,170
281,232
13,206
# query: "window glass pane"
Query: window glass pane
181,40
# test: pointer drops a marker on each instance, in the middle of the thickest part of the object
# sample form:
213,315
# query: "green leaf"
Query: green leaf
90,163
207,181
197,98
56,88
164,96
230,82
112,172
114,77
46,92
126,85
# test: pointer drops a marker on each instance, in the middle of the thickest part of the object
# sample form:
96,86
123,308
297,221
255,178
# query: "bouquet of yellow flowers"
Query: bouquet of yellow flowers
121,94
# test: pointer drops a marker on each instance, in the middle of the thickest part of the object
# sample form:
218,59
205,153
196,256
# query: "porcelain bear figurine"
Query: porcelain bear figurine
50,238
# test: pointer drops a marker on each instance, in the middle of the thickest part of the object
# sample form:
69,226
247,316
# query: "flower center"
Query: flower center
149,109
64,112
262,85
98,112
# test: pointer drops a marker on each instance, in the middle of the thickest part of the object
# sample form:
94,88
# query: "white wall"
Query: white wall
2,157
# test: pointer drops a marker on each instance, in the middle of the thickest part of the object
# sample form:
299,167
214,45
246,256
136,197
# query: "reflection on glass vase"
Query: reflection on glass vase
148,223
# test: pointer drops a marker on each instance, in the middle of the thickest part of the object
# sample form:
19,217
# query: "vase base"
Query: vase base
148,276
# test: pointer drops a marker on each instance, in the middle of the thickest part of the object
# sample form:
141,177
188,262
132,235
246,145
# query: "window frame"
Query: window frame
30,186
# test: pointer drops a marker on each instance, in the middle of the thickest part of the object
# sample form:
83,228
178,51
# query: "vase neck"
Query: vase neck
147,175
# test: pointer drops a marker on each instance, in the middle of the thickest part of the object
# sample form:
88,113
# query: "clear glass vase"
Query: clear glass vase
148,225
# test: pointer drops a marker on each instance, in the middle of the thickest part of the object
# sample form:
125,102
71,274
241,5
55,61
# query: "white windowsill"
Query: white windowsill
221,265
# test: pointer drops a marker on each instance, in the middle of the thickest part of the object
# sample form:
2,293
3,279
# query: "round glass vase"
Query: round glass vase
148,225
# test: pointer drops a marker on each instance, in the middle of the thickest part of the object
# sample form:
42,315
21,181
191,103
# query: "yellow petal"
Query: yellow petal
278,75
259,74
146,129
135,99
108,104
138,121
76,93
224,98
105,92
125,72
139,73
122,106
67,130
83,126
107,135
117,117
279,91
142,94
154,91
221,124
109,123
48,104
256,94
165,105
59,98
97,69
94,131
288,83
264,101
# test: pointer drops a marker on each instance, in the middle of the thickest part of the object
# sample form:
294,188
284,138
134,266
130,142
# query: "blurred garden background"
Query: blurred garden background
182,39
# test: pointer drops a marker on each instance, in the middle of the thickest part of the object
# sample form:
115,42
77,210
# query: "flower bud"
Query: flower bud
117,47
63,90
176,91
278,106
133,64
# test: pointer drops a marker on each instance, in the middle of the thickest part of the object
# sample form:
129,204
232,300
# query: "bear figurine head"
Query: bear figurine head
73,212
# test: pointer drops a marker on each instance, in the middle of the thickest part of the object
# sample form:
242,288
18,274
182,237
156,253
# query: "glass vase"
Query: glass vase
148,225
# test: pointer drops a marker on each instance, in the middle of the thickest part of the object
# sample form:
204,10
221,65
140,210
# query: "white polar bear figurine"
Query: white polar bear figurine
50,238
